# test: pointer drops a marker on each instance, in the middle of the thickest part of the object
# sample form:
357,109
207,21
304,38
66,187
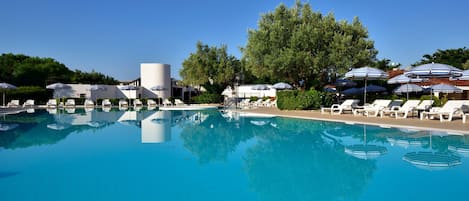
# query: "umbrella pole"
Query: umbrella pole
3,98
407,91
364,98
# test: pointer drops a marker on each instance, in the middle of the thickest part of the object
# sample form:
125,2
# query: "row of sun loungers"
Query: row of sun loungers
395,108
258,103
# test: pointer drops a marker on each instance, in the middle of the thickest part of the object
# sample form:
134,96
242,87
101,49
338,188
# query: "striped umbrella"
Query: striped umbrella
366,73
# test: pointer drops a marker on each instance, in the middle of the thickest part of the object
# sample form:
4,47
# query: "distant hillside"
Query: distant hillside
23,70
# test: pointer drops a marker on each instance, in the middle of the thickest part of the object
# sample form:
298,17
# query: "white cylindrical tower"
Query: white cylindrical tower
155,75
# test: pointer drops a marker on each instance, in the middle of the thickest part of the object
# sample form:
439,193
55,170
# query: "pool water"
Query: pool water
209,155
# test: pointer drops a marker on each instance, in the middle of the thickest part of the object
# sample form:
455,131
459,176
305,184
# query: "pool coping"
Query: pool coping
455,127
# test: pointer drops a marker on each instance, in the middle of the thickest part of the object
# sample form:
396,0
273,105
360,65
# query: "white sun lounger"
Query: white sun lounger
347,105
452,108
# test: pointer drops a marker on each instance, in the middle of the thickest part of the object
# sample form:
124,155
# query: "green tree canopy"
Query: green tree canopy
293,44
455,57
211,67
24,70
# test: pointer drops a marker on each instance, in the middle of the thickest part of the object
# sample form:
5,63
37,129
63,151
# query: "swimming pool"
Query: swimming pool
208,155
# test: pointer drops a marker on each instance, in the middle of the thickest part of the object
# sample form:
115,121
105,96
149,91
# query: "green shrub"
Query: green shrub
208,98
436,101
38,94
300,100
253,98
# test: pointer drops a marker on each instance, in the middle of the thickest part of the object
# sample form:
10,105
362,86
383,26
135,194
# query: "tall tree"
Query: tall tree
293,44
454,57
24,70
210,67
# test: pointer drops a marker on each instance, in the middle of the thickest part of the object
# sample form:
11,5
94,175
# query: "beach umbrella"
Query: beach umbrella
434,70
407,88
282,86
464,76
372,89
96,87
402,78
4,85
344,83
352,91
366,73
57,86
260,87
445,88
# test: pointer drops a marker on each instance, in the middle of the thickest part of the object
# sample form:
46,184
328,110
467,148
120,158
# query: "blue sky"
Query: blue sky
114,37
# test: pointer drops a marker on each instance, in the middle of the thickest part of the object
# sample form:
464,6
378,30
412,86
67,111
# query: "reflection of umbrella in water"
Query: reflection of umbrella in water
365,151
96,124
160,120
461,149
259,122
7,127
57,126
429,160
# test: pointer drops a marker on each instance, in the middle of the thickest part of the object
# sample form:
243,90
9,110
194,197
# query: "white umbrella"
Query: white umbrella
96,87
4,85
464,76
445,88
366,73
433,70
282,85
407,88
260,87
57,86
402,78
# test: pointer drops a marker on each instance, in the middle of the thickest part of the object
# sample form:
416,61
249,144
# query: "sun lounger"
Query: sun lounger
13,103
452,108
178,102
106,103
347,105
138,103
373,108
70,103
28,103
404,110
52,103
88,103
123,104
151,103
166,102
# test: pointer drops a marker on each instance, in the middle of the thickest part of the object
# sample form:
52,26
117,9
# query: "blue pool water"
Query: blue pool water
207,155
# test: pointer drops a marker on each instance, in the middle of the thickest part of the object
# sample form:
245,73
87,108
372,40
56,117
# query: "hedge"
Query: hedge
301,100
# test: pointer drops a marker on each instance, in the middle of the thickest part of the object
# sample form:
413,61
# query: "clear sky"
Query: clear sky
114,37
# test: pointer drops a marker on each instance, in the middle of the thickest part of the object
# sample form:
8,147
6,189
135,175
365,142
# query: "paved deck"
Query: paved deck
454,127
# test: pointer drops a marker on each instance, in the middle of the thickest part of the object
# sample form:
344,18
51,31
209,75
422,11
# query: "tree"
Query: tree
24,70
210,67
385,64
293,44
455,57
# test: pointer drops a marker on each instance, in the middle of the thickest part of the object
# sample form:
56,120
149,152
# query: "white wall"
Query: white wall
155,74
246,91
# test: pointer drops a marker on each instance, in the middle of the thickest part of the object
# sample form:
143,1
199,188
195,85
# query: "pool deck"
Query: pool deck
454,127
